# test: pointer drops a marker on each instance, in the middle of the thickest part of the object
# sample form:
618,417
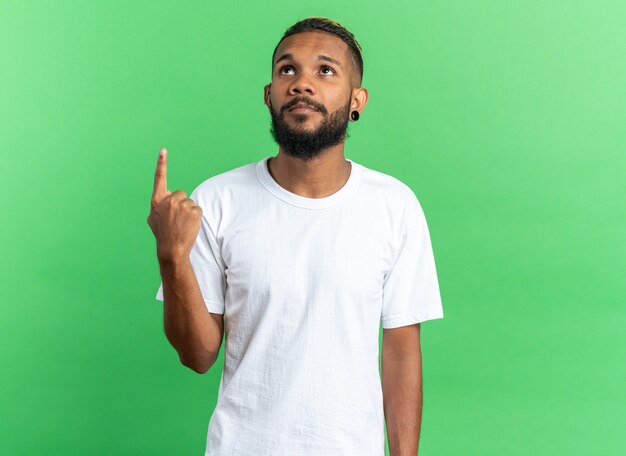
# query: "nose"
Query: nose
302,85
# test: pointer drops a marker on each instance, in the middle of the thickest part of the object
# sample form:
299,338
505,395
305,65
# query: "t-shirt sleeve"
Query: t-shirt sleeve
207,264
411,289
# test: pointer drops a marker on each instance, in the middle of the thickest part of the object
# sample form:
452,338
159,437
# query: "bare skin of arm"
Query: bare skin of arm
402,388
175,219
195,333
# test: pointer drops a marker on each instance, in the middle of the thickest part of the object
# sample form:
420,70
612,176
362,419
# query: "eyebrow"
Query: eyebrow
319,57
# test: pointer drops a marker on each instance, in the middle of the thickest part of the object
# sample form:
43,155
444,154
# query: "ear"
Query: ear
266,96
359,99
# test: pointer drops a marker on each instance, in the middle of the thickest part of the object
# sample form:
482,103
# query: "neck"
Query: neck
315,178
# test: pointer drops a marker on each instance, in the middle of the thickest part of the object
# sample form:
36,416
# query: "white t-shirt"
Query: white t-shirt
304,285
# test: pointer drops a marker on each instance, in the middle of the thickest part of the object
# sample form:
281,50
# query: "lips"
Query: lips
303,106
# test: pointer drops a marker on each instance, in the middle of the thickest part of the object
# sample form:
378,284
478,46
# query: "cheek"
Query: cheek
338,104
339,96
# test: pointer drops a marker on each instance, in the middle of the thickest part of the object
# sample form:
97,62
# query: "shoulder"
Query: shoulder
224,192
397,194
399,201
214,185
227,186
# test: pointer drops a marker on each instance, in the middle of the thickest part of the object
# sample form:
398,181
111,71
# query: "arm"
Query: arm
175,221
402,388
195,333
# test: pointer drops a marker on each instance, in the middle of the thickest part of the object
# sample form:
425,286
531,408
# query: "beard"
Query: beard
308,144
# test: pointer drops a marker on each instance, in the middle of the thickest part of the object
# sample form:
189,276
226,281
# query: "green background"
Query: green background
505,117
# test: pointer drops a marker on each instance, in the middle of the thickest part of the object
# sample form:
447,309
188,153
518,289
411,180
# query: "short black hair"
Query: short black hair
324,24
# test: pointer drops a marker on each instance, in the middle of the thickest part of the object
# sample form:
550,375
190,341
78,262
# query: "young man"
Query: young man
299,258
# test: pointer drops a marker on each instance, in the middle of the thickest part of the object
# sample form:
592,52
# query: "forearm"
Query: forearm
402,399
188,324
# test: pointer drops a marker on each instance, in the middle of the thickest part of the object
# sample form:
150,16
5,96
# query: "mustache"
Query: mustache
306,100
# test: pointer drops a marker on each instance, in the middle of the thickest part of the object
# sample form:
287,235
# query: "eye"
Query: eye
329,68
282,68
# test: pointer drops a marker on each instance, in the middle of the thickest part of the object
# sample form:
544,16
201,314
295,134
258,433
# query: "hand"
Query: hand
174,218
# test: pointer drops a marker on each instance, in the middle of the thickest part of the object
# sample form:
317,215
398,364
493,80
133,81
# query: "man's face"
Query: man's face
312,68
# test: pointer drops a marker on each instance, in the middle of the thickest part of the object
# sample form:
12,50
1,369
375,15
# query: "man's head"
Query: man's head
317,62
325,25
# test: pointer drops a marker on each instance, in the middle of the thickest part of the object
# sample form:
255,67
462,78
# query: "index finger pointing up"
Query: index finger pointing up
160,175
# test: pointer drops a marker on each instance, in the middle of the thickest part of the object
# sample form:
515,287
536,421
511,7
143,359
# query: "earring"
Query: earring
355,115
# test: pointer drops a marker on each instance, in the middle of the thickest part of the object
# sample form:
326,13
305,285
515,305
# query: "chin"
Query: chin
303,120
